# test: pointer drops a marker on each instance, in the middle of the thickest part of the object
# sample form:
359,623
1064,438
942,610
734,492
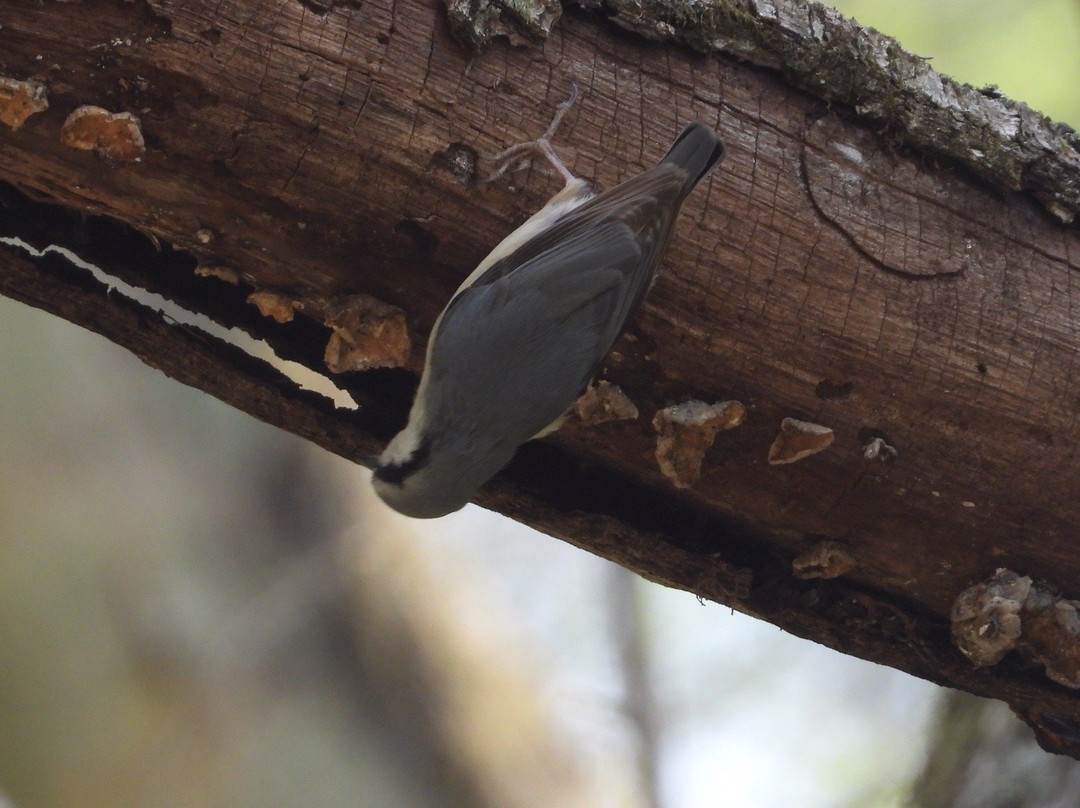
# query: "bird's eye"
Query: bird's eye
396,473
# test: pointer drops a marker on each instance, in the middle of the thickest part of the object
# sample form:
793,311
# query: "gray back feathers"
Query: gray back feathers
535,327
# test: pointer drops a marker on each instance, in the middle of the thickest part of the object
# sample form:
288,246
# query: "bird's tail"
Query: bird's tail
697,151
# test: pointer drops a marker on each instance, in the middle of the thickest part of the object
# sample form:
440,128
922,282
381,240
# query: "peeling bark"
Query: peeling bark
875,256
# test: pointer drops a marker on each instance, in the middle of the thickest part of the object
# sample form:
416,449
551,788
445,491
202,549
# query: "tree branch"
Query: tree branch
824,274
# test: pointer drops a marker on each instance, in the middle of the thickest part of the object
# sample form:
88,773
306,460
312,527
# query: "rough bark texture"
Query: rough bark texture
865,273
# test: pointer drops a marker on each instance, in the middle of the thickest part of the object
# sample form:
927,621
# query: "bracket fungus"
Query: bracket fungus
686,431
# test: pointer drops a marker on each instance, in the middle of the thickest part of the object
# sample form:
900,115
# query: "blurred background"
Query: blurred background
199,610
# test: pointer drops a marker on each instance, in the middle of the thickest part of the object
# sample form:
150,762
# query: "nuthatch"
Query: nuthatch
526,332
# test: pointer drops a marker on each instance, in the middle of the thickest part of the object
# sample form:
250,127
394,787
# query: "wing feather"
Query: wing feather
555,317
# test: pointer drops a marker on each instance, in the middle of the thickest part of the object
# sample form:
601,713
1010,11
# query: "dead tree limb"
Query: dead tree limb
884,253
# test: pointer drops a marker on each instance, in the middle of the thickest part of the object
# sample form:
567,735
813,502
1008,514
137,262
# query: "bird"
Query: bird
528,329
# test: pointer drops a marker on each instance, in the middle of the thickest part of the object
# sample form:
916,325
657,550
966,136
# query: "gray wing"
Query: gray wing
511,356
635,202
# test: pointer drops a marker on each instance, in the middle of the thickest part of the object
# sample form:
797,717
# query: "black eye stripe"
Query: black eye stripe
396,473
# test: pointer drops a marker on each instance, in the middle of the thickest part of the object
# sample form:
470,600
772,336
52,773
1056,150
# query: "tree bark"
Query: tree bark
891,260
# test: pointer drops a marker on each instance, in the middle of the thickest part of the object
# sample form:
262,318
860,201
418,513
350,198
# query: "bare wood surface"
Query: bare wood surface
823,273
